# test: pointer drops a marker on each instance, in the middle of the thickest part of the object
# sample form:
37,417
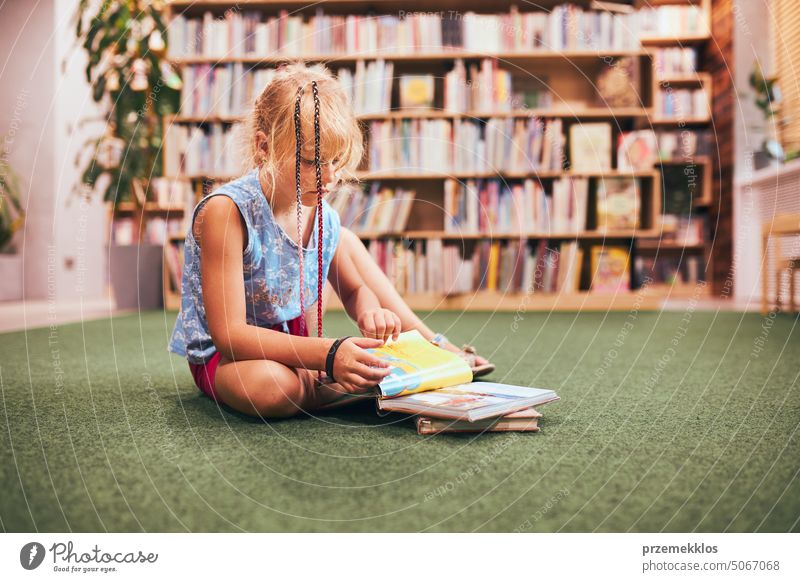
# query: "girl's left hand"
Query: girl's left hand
379,323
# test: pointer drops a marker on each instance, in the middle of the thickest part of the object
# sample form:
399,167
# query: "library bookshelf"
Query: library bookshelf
570,74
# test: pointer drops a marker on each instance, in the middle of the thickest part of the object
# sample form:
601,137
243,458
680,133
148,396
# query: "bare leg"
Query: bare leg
272,390
380,284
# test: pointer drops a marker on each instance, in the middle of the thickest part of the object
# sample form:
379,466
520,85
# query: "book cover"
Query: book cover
617,204
469,402
416,91
618,84
590,147
418,365
522,421
637,150
610,269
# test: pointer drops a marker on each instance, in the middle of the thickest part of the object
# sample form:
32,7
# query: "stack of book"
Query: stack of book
434,388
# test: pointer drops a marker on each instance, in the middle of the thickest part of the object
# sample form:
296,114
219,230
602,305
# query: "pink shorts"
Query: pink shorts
203,374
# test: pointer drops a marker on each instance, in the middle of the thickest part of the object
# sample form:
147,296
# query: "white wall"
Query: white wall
44,96
752,38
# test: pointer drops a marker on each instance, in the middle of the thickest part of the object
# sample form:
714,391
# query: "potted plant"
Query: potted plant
125,41
768,100
12,217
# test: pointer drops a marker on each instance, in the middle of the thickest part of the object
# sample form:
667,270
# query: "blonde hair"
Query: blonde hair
273,114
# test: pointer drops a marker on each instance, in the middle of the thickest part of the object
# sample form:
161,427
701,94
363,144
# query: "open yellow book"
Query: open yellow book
431,381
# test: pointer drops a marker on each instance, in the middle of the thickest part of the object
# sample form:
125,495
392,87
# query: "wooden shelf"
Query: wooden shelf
589,113
690,79
381,175
649,299
666,41
154,207
679,121
660,245
420,58
441,234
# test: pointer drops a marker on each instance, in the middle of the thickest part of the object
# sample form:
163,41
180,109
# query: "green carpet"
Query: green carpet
668,422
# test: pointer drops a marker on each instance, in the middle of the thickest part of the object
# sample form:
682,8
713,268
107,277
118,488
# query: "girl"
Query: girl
259,252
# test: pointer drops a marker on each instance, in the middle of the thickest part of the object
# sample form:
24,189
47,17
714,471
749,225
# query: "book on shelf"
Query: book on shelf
209,149
679,103
683,145
669,270
173,259
438,145
416,92
637,150
618,204
675,61
369,87
250,33
590,147
521,421
610,269
618,84
433,266
682,230
426,379
671,21
496,206
381,210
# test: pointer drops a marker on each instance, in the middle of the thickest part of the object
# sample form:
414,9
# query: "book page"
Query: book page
418,365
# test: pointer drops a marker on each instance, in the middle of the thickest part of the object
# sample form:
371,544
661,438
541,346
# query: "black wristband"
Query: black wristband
332,354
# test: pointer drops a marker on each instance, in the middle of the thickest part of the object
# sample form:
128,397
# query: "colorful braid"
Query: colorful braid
299,193
317,162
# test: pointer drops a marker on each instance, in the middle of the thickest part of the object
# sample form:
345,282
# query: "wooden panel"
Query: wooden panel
717,55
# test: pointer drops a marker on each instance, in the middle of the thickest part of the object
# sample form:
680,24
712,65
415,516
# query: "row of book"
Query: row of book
208,150
675,61
668,21
669,270
495,206
223,90
679,103
442,145
487,87
381,210
515,267
249,33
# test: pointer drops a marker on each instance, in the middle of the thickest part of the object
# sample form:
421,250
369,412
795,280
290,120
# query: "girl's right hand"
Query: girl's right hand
355,369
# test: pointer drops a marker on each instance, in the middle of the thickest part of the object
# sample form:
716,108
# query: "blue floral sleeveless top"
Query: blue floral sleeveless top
271,270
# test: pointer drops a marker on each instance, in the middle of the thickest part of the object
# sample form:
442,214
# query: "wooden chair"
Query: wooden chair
780,225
